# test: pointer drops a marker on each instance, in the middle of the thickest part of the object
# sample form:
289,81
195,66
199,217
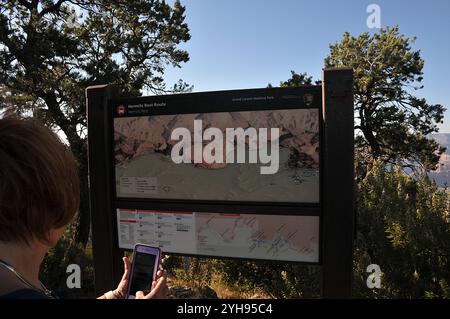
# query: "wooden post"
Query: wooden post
337,182
107,258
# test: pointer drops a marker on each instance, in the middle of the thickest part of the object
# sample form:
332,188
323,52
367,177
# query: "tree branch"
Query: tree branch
27,4
52,8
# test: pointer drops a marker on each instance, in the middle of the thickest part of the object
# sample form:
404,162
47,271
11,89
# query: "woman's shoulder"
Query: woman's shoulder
25,294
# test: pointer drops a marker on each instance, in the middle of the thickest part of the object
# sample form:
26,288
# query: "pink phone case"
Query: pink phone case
143,249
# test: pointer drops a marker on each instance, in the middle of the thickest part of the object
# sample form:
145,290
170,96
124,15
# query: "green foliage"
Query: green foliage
393,124
403,226
278,280
296,80
198,272
48,58
53,269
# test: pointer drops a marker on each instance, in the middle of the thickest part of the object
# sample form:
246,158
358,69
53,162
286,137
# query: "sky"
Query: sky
250,43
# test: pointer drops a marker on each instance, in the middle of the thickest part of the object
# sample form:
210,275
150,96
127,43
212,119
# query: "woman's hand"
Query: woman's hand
121,289
159,288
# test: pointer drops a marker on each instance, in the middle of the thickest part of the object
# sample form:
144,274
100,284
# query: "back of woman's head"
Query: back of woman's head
39,186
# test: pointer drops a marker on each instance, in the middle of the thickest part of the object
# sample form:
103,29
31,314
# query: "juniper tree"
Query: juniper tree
393,124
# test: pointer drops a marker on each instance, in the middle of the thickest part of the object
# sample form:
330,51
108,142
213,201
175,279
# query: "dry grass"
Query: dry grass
222,290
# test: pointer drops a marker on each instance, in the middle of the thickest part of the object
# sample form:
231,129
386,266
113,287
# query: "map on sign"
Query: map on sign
145,169
269,237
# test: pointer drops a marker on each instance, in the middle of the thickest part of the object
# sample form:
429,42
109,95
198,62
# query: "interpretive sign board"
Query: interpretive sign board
230,174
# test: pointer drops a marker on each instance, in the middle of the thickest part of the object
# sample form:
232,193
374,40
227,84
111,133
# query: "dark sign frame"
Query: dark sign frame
335,207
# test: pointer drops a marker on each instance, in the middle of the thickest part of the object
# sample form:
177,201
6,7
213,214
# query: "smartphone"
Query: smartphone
144,267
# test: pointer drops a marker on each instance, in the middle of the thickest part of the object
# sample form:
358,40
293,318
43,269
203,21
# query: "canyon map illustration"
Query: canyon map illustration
144,167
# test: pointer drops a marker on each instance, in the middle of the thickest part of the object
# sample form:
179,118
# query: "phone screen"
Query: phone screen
142,276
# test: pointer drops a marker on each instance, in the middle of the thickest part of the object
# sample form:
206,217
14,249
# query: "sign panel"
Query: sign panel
277,159
244,147
144,167
269,237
